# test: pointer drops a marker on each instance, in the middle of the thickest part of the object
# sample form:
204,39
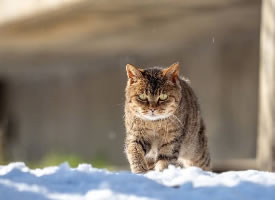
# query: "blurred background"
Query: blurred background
62,74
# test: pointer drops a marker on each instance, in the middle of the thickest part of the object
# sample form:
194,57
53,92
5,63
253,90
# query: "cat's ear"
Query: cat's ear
133,73
172,72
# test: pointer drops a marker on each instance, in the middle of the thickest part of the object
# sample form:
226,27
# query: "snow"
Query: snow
62,182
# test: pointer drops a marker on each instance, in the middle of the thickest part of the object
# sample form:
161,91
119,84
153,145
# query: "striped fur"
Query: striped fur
177,135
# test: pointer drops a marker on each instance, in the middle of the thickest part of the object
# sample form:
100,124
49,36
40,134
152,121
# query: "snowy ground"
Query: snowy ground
84,182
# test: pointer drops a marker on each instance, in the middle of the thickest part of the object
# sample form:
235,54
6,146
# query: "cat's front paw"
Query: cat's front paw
139,170
161,165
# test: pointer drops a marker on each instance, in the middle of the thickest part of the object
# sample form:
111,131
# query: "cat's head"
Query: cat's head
154,93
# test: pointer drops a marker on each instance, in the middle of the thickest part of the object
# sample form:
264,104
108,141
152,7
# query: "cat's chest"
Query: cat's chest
157,130
152,154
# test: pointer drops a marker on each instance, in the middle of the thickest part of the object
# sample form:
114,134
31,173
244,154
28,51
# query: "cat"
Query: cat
163,121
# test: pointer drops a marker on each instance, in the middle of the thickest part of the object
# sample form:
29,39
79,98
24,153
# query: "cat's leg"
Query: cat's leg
203,161
150,162
168,154
136,148
200,156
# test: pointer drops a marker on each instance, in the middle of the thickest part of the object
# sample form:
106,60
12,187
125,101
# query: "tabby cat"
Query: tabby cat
163,121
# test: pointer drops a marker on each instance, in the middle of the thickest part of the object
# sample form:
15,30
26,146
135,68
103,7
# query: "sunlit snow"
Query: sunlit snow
85,182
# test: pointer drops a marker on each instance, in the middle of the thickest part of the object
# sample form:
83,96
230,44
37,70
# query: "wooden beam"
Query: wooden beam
234,164
219,166
266,126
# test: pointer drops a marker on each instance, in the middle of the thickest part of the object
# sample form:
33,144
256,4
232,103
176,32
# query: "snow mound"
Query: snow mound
84,182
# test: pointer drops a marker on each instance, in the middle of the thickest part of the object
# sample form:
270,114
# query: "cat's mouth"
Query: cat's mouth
153,116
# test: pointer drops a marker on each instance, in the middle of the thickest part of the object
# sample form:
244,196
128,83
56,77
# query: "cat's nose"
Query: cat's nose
152,109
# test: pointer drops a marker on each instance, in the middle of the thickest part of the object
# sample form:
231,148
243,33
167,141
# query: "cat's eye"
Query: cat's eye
163,97
142,97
